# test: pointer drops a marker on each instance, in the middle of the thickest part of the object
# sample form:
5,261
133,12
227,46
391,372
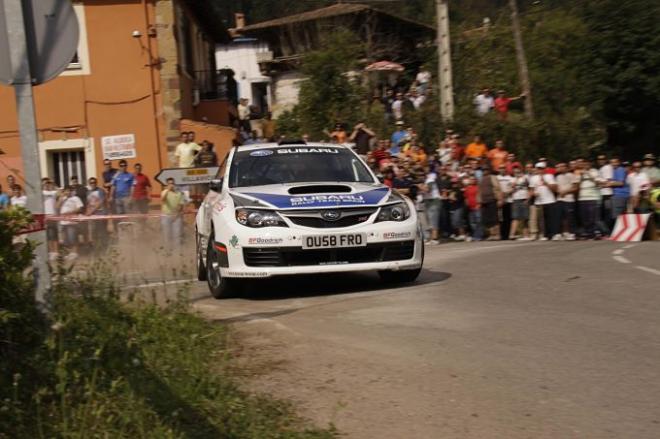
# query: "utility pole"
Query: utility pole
446,92
22,83
521,60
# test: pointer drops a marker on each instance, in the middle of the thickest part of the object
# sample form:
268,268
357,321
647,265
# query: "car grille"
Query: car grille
314,219
296,256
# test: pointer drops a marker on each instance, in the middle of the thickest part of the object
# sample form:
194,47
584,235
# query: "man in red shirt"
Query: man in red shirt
511,163
502,104
141,190
473,202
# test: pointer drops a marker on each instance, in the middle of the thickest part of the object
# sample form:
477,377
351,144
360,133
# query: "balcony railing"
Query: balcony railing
216,84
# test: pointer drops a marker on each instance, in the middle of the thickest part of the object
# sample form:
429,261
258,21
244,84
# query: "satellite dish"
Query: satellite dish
51,30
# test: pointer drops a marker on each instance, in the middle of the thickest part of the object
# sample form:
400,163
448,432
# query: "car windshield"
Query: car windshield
296,164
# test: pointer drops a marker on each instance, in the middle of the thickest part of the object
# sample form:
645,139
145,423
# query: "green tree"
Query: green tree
331,91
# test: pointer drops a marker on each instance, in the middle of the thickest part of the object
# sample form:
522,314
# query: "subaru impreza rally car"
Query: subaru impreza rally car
296,208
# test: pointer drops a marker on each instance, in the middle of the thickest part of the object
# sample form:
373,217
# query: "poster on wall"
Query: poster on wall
118,147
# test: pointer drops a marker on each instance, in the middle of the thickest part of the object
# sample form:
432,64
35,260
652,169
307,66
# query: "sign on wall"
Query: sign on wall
118,147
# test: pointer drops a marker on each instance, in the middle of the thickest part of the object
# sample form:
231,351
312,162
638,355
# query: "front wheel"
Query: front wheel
220,287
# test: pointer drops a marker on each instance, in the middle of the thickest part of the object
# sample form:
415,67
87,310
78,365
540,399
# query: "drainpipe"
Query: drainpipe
154,104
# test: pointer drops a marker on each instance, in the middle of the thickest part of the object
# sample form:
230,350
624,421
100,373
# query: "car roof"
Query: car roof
290,145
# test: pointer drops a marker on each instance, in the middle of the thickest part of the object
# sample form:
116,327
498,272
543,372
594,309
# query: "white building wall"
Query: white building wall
241,57
285,88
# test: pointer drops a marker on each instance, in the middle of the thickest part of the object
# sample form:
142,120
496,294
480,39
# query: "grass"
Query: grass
97,366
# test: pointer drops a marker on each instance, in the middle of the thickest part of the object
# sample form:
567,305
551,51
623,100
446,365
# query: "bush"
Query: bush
98,366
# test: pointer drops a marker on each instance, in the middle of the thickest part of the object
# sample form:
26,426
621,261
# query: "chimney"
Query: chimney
239,17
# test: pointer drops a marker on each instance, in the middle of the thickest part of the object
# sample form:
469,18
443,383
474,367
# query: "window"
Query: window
79,64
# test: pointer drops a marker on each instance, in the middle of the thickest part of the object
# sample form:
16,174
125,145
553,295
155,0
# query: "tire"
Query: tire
201,269
220,287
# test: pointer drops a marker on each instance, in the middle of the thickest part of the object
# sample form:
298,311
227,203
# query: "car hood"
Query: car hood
305,195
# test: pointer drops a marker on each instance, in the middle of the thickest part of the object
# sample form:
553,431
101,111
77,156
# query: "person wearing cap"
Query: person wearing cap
544,188
651,170
501,104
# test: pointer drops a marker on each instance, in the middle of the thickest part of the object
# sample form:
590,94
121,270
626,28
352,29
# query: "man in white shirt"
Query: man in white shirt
18,199
606,174
588,191
506,185
484,102
544,187
566,188
397,107
417,99
70,204
423,79
639,184
186,151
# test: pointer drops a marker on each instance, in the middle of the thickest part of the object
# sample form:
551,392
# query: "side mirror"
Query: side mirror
216,185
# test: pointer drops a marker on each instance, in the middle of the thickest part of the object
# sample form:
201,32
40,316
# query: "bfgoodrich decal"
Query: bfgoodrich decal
397,235
267,241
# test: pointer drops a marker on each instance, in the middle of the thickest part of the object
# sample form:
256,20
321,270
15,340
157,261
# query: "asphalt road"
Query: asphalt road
495,340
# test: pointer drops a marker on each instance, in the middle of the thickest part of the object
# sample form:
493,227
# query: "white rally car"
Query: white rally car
296,208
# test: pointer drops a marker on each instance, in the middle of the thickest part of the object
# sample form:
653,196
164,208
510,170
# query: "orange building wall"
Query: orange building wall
116,98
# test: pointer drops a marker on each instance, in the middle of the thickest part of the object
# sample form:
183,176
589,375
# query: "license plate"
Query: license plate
335,241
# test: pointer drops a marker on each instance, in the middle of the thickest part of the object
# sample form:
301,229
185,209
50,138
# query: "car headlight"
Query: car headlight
394,212
259,218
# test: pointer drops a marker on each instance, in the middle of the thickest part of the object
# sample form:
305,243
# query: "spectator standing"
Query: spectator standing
432,205
18,198
457,150
457,209
108,174
4,199
186,151
423,79
11,181
506,185
243,117
501,104
545,187
444,186
96,202
605,175
443,153
380,155
497,155
473,203
520,208
49,193
387,101
566,188
476,149
588,199
651,170
69,204
620,190
638,183
206,157
122,188
398,136
81,190
417,99
511,163
491,200
339,134
172,203
388,177
397,107
362,136
484,102
141,190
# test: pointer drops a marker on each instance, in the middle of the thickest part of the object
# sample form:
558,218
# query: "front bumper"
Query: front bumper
278,251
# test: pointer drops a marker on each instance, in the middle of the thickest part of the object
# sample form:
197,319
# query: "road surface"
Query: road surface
495,340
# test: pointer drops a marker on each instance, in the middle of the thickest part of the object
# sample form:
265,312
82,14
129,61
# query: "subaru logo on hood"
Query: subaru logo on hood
331,215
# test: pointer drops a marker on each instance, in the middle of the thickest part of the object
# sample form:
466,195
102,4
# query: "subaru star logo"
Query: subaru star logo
331,215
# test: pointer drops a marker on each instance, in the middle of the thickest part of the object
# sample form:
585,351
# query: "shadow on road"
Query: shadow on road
293,287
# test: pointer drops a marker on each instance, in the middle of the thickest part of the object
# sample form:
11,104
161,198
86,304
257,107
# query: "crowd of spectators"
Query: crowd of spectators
477,192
